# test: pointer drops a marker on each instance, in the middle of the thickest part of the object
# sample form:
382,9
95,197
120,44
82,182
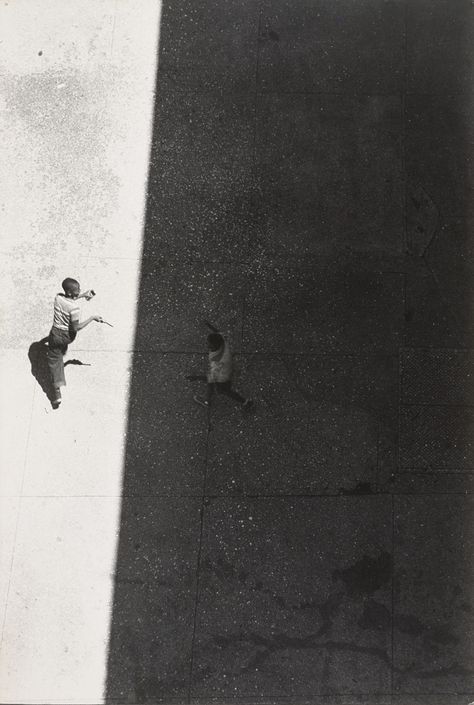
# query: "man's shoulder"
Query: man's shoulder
64,303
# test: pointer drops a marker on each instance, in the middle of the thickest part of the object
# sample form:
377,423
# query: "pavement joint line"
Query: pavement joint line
17,519
437,472
257,82
452,314
392,636
406,470
165,82
447,405
365,352
198,562
239,497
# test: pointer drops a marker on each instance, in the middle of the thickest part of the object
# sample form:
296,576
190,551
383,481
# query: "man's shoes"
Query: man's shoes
57,398
201,401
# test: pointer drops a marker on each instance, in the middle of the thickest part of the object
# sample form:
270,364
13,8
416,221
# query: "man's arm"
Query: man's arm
87,295
77,326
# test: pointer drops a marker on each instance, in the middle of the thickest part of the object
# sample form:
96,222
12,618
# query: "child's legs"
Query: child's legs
226,388
57,348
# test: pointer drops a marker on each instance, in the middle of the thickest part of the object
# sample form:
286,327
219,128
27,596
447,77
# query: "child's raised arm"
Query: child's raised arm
209,325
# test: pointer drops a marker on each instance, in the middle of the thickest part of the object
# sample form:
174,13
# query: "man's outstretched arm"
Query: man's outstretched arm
77,325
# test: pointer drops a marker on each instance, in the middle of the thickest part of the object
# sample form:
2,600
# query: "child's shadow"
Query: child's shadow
38,356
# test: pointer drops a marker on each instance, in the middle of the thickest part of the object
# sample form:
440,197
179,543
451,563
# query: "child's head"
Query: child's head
71,288
215,341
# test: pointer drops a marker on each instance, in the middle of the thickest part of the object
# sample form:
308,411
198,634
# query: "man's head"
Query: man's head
215,341
71,288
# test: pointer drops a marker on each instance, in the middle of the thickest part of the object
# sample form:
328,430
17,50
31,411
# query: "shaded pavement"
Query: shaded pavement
309,193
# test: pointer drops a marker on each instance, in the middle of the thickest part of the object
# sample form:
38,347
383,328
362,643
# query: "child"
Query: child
65,328
219,375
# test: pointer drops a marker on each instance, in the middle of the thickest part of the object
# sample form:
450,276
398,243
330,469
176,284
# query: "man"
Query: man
219,375
65,328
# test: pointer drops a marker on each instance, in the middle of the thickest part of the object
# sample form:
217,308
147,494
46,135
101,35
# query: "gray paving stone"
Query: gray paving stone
208,45
430,320
319,426
422,221
451,258
353,699
307,147
426,482
294,598
331,309
432,698
202,223
438,135
166,446
152,620
432,376
201,139
175,297
437,438
433,607
440,36
333,47
202,190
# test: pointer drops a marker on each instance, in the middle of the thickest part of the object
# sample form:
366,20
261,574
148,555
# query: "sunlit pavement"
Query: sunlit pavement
309,192
77,91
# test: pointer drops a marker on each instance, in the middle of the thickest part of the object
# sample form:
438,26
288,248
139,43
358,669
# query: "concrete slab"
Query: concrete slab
298,311
204,48
450,256
67,600
77,457
430,376
332,47
9,507
437,438
432,698
306,154
175,297
318,427
167,431
116,283
282,589
440,36
155,585
18,390
201,181
438,132
430,320
201,139
201,223
433,597
428,482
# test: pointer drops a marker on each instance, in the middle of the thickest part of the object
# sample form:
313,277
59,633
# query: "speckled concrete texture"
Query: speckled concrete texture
76,95
311,198
299,174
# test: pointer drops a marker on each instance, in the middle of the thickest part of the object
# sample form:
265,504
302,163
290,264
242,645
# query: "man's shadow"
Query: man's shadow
38,357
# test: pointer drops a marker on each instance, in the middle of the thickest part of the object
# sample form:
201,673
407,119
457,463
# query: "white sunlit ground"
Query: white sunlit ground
76,97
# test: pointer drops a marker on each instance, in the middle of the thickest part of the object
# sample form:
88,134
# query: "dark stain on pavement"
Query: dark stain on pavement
375,616
367,575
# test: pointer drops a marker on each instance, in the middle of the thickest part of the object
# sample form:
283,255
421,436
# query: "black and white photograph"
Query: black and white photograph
237,352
